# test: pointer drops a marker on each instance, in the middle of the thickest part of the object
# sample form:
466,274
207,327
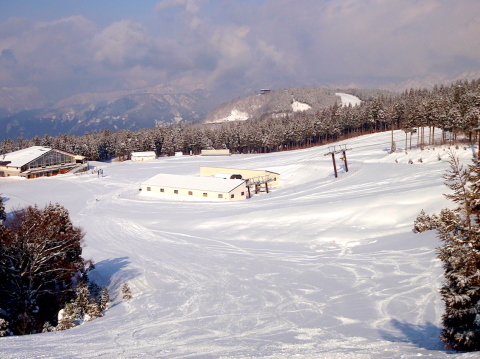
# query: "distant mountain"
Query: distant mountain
430,81
278,101
115,110
16,99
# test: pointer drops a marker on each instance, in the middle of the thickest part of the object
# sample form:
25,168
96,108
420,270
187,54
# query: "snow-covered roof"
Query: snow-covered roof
22,157
143,154
213,184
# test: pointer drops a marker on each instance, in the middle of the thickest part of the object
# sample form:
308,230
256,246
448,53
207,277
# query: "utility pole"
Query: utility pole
332,151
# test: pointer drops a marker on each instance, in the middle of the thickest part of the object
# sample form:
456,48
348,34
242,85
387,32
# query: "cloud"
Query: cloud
243,45
191,6
121,44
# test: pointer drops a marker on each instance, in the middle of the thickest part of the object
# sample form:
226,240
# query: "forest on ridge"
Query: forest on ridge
454,109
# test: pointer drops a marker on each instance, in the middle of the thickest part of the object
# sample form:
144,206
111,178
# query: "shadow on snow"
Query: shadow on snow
426,336
112,273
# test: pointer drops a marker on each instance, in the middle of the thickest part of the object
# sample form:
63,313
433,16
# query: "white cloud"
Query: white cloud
120,42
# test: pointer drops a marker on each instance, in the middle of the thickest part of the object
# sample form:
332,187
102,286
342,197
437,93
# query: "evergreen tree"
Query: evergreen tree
104,299
82,297
459,230
93,308
126,293
425,222
68,316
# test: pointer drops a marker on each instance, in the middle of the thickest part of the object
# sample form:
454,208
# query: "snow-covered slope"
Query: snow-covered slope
348,99
298,106
320,267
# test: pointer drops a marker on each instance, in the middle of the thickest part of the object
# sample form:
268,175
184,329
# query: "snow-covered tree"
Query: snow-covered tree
104,299
67,316
93,309
459,230
126,292
4,326
40,253
425,222
82,297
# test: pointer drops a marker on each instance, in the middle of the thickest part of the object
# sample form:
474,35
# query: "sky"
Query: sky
58,48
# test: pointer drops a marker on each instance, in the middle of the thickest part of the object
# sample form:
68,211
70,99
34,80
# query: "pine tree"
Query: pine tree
459,230
93,309
126,293
82,297
425,222
67,316
104,299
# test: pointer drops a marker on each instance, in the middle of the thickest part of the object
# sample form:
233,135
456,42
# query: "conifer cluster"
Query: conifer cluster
454,109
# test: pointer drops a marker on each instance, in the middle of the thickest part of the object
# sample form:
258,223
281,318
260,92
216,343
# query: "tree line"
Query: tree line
453,109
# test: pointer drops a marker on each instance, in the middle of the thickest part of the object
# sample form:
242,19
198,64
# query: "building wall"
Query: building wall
237,192
206,171
223,152
10,171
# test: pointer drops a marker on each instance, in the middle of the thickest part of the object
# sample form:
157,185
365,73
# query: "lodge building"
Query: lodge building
217,183
192,186
39,161
143,156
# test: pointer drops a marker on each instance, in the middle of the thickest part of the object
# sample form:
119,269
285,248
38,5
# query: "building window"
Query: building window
220,195
243,193
205,195
149,189
190,193
162,190
232,196
175,191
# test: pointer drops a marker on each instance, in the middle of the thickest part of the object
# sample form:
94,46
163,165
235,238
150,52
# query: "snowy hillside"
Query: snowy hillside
347,99
320,267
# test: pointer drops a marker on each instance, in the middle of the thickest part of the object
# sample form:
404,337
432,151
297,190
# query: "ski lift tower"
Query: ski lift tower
332,150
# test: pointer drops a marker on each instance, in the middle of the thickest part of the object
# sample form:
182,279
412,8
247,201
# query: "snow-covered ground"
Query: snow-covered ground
348,99
320,267
298,106
235,115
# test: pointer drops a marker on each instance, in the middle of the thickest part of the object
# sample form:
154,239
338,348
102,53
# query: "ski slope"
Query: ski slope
348,99
320,267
